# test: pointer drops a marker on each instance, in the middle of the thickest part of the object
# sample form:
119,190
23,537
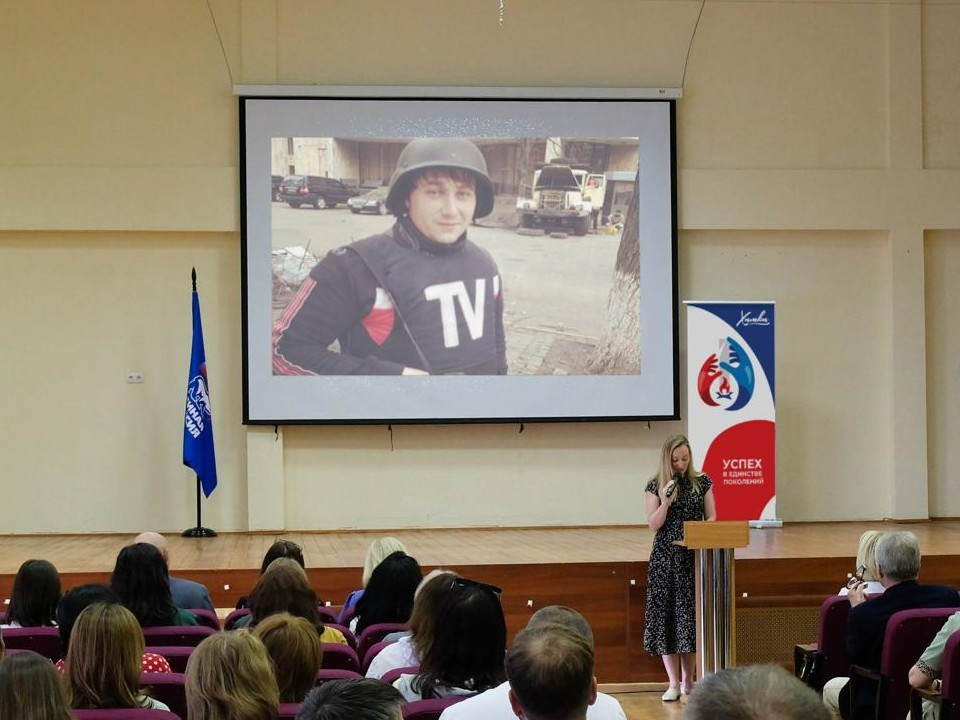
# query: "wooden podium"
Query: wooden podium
713,543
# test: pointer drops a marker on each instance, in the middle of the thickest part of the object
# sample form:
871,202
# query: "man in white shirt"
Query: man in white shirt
494,704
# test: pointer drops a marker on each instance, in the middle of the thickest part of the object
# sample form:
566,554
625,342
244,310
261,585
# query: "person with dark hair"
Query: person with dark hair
550,671
36,592
352,700
418,299
140,581
30,689
494,704
388,597
469,642
279,549
75,601
376,552
754,692
675,494
186,594
295,651
284,588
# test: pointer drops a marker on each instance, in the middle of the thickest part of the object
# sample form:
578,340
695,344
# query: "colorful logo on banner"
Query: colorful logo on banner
731,411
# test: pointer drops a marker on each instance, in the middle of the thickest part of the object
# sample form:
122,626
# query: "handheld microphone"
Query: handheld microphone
672,490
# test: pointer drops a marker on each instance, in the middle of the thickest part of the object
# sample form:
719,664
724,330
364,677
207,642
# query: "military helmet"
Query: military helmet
423,153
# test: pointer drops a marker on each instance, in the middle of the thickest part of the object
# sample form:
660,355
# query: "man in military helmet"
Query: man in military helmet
418,299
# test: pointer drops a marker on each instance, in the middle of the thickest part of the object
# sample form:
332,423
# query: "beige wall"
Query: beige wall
819,148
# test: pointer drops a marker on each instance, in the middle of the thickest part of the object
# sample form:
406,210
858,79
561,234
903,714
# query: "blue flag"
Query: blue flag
198,422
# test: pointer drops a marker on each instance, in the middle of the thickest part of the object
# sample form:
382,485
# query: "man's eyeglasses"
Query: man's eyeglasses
856,578
462,582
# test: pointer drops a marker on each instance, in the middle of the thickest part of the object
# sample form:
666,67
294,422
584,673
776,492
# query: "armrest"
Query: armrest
917,696
865,673
806,664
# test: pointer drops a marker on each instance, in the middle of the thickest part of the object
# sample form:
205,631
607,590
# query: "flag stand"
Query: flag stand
199,530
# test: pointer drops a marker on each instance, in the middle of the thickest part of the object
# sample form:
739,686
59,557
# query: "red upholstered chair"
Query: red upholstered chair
328,674
176,655
393,675
42,640
372,652
206,617
430,709
327,615
125,714
345,631
288,711
907,636
375,633
340,657
177,634
949,696
168,688
230,620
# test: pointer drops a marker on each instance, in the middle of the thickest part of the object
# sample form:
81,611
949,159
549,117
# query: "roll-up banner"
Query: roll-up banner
731,414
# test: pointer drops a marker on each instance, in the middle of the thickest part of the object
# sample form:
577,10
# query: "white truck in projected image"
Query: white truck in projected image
560,199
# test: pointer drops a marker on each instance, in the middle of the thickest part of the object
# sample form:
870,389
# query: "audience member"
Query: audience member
898,564
279,549
550,671
376,552
469,642
36,592
494,704
104,660
75,601
284,588
295,652
229,677
408,650
186,594
388,597
754,692
141,582
927,671
352,700
866,565
31,690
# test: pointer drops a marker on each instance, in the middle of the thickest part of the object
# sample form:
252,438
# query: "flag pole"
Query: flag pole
198,422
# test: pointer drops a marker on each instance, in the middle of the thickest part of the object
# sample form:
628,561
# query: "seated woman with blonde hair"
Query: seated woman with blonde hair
295,651
104,658
867,571
30,689
229,677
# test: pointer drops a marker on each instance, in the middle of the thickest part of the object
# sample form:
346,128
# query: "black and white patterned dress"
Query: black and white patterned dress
670,622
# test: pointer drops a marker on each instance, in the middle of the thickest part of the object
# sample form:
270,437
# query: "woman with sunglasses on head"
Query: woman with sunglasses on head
676,494
468,646
867,573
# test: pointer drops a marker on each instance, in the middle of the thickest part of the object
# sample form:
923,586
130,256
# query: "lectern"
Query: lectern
713,543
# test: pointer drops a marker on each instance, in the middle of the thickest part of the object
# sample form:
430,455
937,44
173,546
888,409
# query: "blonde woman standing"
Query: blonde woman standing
676,494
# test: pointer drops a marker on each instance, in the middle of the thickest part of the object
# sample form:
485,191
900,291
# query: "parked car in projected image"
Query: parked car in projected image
321,192
370,202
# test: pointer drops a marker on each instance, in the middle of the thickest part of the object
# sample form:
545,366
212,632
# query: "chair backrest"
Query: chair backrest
392,675
328,674
430,709
230,620
340,657
206,617
373,651
832,640
42,640
907,636
346,632
375,633
288,711
125,714
176,655
177,634
950,674
168,688
327,615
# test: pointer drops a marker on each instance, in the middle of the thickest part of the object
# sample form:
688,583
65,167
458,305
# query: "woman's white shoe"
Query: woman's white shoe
671,694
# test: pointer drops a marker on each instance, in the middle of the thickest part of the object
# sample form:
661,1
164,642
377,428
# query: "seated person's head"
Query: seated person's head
361,699
295,651
388,597
469,640
376,552
104,659
562,615
31,689
141,582
754,692
229,677
867,555
429,597
284,588
74,602
282,549
550,669
36,592
898,556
